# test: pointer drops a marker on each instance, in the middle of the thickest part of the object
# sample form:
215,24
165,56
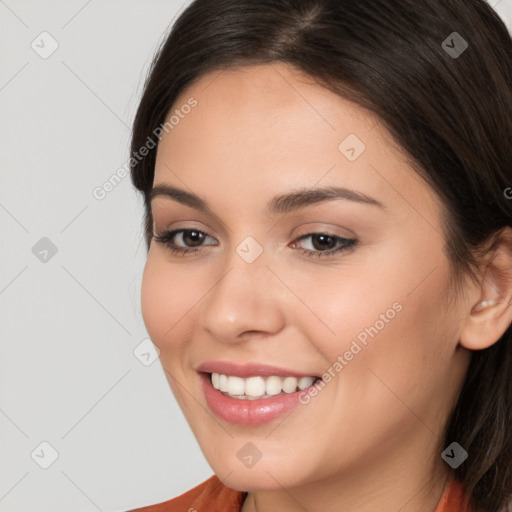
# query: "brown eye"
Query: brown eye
191,240
193,237
325,244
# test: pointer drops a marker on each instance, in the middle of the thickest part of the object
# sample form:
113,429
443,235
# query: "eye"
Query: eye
325,244
194,237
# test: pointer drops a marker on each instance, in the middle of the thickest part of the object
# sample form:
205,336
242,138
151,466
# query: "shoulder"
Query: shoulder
209,496
455,498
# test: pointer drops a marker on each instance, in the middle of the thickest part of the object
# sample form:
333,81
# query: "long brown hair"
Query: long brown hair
451,111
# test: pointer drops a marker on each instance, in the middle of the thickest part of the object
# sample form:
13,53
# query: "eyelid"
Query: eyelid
322,227
163,215
182,226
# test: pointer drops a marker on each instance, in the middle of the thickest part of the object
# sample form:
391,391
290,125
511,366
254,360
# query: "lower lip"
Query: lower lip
244,411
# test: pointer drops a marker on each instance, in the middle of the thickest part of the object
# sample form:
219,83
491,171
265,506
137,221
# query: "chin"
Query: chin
272,474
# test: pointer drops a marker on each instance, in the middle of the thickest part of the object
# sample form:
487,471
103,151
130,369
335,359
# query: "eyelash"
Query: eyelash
166,237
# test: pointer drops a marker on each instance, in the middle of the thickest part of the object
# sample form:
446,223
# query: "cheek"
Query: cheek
164,301
397,304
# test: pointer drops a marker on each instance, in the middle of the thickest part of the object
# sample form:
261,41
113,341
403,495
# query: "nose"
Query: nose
244,302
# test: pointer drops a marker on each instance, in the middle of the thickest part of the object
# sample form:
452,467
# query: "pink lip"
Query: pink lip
249,370
241,411
246,412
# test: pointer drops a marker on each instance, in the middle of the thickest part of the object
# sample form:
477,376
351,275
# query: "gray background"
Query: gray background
71,321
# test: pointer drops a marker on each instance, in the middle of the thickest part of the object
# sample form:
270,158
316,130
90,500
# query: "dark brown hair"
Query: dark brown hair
450,113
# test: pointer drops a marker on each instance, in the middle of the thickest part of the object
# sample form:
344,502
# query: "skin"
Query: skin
371,439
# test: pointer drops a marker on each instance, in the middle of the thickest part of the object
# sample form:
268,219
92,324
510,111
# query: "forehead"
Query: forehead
271,127
270,109
271,96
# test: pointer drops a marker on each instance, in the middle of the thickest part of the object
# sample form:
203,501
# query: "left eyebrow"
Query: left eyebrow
296,200
283,203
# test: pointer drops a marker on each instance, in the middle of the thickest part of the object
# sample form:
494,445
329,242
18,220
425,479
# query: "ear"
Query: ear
491,314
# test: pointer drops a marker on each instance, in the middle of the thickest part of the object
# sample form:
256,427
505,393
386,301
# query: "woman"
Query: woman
329,271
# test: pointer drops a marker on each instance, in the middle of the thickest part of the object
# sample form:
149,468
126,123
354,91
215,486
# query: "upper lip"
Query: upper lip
249,369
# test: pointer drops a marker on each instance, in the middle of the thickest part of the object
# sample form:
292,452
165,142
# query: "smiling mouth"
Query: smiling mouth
258,387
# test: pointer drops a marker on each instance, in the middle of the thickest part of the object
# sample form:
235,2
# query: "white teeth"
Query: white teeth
273,385
289,384
305,382
258,387
223,383
236,385
254,386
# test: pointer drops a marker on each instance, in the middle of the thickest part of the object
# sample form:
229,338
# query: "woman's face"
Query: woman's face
262,292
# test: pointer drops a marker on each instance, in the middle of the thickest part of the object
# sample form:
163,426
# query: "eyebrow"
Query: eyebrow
283,203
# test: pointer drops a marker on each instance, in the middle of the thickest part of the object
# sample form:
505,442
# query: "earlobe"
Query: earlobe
491,315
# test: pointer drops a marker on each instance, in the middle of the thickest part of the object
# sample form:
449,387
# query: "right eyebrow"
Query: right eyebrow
181,196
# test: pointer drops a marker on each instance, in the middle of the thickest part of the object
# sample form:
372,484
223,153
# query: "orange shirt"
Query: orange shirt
213,496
